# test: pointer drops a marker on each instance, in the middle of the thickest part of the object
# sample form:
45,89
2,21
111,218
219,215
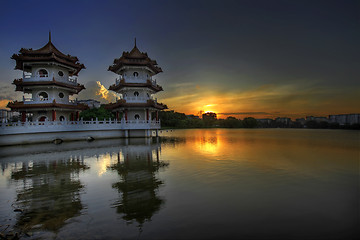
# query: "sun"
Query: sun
209,108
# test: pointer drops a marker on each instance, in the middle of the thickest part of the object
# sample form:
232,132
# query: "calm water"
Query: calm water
189,184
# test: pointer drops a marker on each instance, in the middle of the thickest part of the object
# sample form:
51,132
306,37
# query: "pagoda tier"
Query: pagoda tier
47,54
123,104
16,106
132,59
148,84
21,85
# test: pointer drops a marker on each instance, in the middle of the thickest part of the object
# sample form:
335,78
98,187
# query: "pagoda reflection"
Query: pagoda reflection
137,166
48,193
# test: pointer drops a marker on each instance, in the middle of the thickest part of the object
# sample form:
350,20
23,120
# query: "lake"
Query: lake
187,184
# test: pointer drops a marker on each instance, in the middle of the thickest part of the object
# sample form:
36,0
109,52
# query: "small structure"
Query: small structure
137,87
50,77
92,103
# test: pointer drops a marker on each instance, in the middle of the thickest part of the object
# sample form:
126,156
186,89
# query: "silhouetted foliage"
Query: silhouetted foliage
231,122
101,113
250,122
171,119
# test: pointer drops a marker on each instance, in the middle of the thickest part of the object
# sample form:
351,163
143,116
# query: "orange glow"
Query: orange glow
208,144
265,101
3,103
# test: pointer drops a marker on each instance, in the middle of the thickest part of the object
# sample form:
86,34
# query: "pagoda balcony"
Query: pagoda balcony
122,82
47,100
28,77
137,99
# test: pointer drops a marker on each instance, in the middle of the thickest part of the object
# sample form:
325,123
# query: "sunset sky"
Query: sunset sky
237,58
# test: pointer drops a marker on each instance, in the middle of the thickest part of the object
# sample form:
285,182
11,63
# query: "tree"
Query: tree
249,122
100,113
231,122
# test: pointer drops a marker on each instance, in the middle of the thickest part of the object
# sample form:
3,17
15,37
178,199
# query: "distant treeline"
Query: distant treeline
171,119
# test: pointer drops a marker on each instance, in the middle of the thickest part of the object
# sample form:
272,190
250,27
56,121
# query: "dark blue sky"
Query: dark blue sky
280,57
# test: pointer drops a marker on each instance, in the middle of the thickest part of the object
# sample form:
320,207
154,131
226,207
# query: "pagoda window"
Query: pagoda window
43,96
61,73
62,118
42,119
136,94
43,73
136,74
137,116
61,95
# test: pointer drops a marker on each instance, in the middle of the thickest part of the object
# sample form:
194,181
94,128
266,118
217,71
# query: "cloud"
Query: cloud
95,90
246,113
296,99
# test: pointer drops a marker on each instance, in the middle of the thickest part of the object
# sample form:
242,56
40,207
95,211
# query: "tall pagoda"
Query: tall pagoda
136,86
50,77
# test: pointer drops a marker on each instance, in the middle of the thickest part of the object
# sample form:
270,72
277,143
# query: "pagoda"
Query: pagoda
50,77
136,86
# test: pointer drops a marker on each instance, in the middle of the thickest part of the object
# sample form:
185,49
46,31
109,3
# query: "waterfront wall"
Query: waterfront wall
37,132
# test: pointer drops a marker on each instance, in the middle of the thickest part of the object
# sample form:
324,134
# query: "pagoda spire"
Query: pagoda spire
135,42
49,35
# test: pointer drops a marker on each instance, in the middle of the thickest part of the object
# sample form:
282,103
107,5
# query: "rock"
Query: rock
58,141
90,139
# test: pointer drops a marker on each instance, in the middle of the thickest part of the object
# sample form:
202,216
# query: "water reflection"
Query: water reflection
136,166
232,184
47,193
51,181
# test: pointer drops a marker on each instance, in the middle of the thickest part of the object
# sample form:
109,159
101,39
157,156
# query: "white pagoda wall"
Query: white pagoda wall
48,115
52,71
53,93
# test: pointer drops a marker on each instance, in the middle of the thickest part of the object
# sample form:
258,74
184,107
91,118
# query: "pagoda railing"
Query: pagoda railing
137,99
8,128
28,77
135,80
47,100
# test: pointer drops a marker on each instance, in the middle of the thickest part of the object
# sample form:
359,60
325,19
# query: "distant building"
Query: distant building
209,116
283,120
264,120
4,115
8,116
90,102
317,119
345,119
300,120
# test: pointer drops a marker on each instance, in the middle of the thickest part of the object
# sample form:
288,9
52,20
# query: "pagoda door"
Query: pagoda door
42,119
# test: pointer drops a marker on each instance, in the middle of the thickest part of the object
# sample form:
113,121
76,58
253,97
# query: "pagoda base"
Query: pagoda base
57,132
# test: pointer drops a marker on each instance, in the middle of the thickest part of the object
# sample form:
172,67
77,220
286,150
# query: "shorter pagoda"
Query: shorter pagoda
137,87
51,78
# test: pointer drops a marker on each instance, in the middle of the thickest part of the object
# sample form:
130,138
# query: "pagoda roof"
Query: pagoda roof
20,84
48,53
123,84
20,105
134,58
123,104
